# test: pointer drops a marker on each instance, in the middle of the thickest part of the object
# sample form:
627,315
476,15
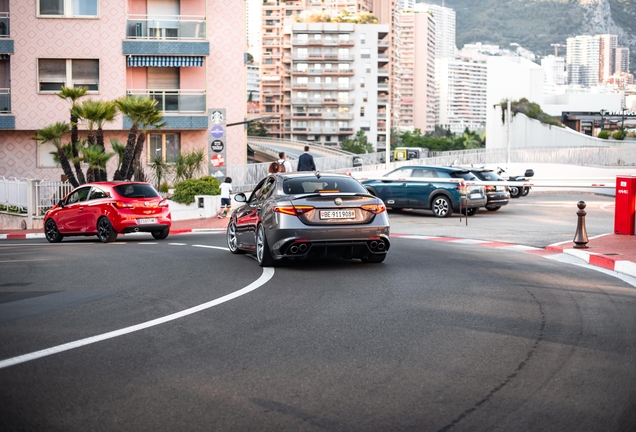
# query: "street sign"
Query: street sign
217,146
217,160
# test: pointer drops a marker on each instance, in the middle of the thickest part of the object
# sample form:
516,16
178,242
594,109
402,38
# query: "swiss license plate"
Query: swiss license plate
475,195
337,214
500,188
147,221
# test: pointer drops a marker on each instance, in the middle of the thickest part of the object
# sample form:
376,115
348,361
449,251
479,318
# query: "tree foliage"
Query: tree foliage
441,140
359,144
530,109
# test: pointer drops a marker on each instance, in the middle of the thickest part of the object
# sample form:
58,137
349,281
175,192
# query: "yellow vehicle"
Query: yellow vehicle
408,153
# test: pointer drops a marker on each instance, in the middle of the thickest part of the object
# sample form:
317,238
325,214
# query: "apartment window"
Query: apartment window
343,53
362,82
301,53
301,95
45,156
343,37
368,67
317,95
317,37
301,67
166,146
343,82
361,111
363,38
344,66
302,37
365,96
55,73
302,80
327,66
316,80
343,96
328,80
365,53
68,8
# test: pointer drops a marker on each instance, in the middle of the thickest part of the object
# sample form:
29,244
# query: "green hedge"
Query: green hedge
185,190
604,134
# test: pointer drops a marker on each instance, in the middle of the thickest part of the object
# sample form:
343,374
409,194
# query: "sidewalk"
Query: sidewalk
610,251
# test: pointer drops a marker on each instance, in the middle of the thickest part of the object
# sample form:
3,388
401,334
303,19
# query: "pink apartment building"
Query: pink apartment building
186,54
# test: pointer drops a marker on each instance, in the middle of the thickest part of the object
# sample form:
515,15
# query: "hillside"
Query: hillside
535,24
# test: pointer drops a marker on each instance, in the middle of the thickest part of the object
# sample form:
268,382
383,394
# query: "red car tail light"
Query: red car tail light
163,203
374,208
121,205
293,210
491,188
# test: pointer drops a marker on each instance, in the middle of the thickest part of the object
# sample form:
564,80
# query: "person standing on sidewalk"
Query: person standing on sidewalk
226,204
306,161
284,162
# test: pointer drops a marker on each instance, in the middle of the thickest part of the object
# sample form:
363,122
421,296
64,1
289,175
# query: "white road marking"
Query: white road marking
178,244
268,273
211,247
147,243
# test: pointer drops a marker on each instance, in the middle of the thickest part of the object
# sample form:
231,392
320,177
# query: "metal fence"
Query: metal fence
47,194
13,194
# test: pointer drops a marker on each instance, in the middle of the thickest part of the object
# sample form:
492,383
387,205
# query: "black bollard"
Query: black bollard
580,238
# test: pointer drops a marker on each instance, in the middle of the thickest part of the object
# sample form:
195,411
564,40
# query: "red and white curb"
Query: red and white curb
620,266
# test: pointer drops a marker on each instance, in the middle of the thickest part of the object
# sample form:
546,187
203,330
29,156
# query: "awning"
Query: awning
164,61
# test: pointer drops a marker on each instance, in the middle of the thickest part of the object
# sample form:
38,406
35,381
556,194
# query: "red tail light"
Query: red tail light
293,210
121,205
374,208
163,203
491,188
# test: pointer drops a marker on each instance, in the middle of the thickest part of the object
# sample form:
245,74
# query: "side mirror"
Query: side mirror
240,197
61,203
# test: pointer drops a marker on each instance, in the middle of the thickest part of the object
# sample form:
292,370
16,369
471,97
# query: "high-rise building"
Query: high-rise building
444,18
417,71
406,4
253,21
607,56
462,94
622,59
583,60
181,54
329,62
554,69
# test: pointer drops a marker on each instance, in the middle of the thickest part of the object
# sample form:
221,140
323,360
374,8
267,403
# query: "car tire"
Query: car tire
373,258
515,192
161,234
442,206
263,255
525,191
232,240
493,208
472,211
51,232
105,231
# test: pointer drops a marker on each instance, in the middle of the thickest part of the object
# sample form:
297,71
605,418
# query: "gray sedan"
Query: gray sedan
309,215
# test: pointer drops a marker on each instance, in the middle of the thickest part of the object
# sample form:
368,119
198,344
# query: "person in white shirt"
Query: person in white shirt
226,204
283,161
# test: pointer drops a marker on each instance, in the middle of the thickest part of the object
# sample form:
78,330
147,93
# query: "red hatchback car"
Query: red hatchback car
106,209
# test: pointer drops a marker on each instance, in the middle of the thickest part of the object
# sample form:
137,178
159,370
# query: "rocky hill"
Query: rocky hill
536,24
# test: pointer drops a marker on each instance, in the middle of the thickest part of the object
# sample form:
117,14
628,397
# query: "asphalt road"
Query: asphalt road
439,337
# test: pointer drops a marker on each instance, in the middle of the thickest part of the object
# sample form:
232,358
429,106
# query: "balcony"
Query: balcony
315,130
315,115
301,115
5,100
345,130
166,27
5,30
299,86
383,86
175,101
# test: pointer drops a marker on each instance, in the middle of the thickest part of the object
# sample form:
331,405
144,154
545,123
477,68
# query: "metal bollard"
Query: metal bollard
580,238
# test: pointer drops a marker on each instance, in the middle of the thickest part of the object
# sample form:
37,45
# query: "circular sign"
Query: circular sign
217,146
217,160
217,131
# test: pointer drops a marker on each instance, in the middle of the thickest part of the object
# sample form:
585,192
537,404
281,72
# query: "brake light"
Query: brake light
293,210
491,188
374,208
121,205
163,203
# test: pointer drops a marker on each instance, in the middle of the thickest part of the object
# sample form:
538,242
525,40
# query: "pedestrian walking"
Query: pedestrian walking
285,165
226,204
306,161
273,168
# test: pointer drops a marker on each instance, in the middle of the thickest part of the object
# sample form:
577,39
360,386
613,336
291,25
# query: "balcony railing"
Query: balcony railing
5,100
175,101
4,25
166,27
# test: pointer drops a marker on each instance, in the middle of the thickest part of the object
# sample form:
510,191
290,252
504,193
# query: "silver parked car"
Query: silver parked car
309,215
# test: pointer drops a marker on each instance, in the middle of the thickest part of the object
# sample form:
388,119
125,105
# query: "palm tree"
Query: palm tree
53,134
153,118
136,108
73,94
119,150
96,158
96,113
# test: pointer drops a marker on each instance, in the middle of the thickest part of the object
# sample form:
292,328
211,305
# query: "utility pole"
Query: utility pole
508,132
387,150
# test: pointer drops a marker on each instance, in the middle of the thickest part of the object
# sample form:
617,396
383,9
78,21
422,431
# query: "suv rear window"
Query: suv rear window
136,191
323,184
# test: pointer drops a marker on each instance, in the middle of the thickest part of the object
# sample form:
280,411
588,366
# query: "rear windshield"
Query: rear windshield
136,191
489,175
464,175
323,184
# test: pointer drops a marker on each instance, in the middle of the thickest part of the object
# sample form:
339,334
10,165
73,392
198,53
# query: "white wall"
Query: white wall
555,105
